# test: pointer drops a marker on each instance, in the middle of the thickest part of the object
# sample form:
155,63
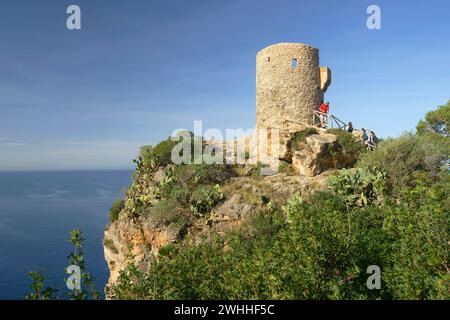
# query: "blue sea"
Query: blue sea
37,212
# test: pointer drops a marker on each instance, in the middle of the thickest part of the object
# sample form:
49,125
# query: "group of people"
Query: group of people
370,141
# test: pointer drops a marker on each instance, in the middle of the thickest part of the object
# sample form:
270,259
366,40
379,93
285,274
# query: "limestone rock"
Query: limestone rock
232,209
358,134
140,239
321,152
159,175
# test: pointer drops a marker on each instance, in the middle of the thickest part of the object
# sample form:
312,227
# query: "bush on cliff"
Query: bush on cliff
195,186
405,159
160,154
360,187
352,148
300,137
117,206
321,252
204,198
395,217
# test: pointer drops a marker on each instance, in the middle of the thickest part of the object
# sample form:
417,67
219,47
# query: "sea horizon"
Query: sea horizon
38,209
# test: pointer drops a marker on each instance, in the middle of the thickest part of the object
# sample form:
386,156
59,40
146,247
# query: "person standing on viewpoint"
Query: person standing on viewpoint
324,109
350,127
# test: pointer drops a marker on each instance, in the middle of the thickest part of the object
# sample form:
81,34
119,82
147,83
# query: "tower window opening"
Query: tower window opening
294,63
268,59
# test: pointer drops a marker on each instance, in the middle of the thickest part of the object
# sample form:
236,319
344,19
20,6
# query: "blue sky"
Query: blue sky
138,70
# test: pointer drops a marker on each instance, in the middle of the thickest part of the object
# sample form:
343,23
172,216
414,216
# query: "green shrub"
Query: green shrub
335,131
108,243
300,136
40,292
256,173
86,290
166,250
181,179
194,187
180,194
361,186
117,206
204,198
146,152
166,212
351,148
165,185
152,157
162,152
404,159
286,167
209,173
136,207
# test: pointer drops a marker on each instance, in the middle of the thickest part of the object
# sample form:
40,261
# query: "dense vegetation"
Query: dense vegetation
321,251
350,148
185,192
391,211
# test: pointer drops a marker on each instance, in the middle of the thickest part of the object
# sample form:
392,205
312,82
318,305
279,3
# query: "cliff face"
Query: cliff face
172,204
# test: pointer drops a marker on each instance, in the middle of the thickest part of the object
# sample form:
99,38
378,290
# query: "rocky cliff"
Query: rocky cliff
168,204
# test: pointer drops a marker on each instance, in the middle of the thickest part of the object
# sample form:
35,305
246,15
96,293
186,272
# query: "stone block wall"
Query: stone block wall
290,85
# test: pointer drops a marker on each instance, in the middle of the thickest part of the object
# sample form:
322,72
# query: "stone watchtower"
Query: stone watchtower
290,85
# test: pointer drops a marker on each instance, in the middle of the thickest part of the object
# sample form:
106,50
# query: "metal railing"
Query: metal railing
328,118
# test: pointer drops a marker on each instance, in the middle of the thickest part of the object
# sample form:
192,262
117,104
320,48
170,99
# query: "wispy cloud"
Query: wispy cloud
106,143
92,148
11,144
5,143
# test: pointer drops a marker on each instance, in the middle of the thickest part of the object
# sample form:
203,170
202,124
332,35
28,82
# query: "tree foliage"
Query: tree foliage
87,289
39,291
436,121
404,159
114,211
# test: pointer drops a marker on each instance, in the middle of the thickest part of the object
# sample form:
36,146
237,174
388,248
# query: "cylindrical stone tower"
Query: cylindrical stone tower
290,85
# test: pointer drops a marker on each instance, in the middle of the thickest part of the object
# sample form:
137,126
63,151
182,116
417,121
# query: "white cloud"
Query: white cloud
5,143
11,144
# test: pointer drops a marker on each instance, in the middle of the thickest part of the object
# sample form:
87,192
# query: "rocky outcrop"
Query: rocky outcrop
135,241
139,239
320,152
234,209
